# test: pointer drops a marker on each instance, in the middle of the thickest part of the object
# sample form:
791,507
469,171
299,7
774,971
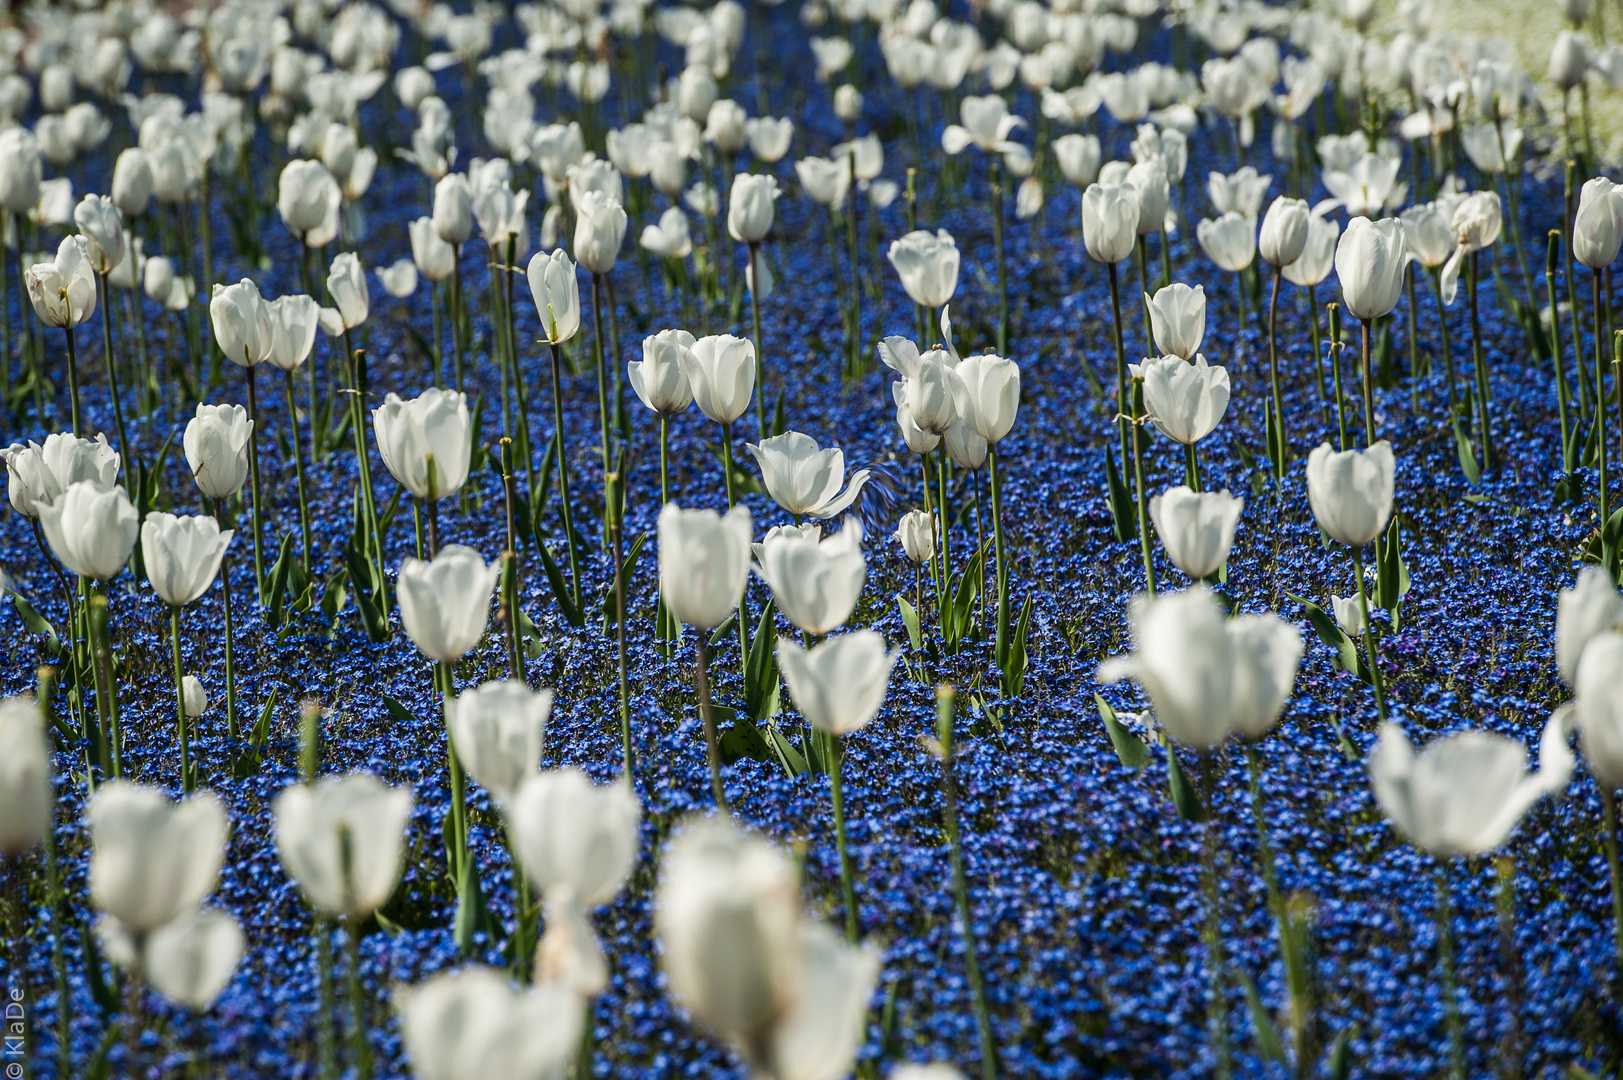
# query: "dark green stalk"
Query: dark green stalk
1335,366
1561,391
1480,357
253,469
760,343
1600,403
1372,640
597,341
712,744
1273,376
326,1029
359,1051
563,476
181,731
1123,417
1445,962
1368,381
124,446
298,466
960,883
1143,505
1002,576
995,168
1608,806
458,856
836,757
73,383
1217,1010
614,493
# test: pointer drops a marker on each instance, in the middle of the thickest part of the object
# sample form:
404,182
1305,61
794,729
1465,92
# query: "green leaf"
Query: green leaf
793,761
610,619
278,583
560,592
1130,750
742,739
103,991
910,619
1184,796
1392,584
334,595
961,611
1014,664
1123,517
471,913
1330,632
35,622
101,1061
719,636
1467,454
762,679
398,712
249,763
1341,1060
372,617
1268,1044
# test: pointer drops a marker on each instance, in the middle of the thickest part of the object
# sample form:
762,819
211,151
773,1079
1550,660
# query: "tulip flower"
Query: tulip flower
986,394
1109,222
216,446
927,263
445,602
474,1022
346,284
39,474
1196,528
399,279
600,227
1229,241
1590,608
1351,491
670,239
816,583
929,383
426,443
1078,157
293,324
721,369
63,293
1149,181
499,730
453,209
1186,401
750,210
25,777
308,200
987,125
916,533
132,182
658,378
433,256
1428,236
1178,319
1284,231
769,137
556,292
190,960
20,170
839,685
182,555
1369,265
341,840
152,860
1240,192
1367,186
194,696
103,232
804,479
1598,713
575,837
242,329
91,528
1597,231
823,180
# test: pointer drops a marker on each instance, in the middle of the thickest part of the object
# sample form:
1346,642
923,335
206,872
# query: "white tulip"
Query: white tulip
838,686
341,839
499,730
1196,528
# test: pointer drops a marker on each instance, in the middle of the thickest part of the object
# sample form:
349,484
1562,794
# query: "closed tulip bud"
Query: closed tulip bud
721,370
308,199
1078,157
600,228
1349,613
1186,401
411,85
838,686
435,258
804,479
1370,260
1588,609
453,209
916,531
1351,491
1284,231
158,279
816,583
670,239
216,445
824,181
182,555
293,322
928,264
917,439
1318,254
1599,707
658,378
556,292
21,170
1569,59
1464,793
1427,235
430,432
1229,241
704,563
91,528
63,291
667,168
1149,180
190,960
476,1023
1196,528
986,395
499,730
1597,231
1109,221
341,840
103,232
346,283
1478,220
724,125
1576,10
241,321
25,777
38,474
927,390
399,279
1178,319
695,93
153,860
445,603
966,448
574,837
196,698
749,207
769,138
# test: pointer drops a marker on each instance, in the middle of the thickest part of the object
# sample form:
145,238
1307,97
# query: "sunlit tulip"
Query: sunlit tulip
1591,607
600,228
916,532
574,836
435,259
191,959
182,555
216,446
670,239
816,583
1367,187
194,696
346,283
103,231
1427,235
749,207
1078,157
25,777
20,170
987,125
341,839
838,686
1349,613
1196,528
453,209
768,137
1240,192
1284,231
1464,793
986,394
927,263
1109,221
658,378
1318,254
293,321
308,199
445,602
1370,261
1597,231
499,729
825,181
432,427
63,291
1178,319
38,474
804,479
476,1023
1186,401
704,562
721,371
153,860
91,528
1598,709
928,388
1229,241
241,320
556,292
1149,181
1351,491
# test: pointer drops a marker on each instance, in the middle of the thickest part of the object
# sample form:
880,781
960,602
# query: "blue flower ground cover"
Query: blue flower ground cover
1086,885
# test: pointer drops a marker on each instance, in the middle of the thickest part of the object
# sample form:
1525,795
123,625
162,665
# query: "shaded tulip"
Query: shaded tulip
1590,608
1597,230
769,137
804,479
38,474
1370,260
435,259
658,378
986,394
704,563
1149,181
293,322
241,320
431,430
1196,528
1318,254
556,292
1351,491
824,181
63,291
600,229
1109,221
153,860
399,279
1349,613
182,555
216,445
190,960
816,583
1229,241
928,264
103,232
721,370
453,209
838,686
25,777
1178,319
341,838
1240,192
1598,710
475,1023
445,603
987,125
308,200
927,390
1186,401
575,838
1078,157
21,170
499,730
1284,231
966,448
670,239
916,532
1428,237
749,207
1464,793
196,698
346,283
91,529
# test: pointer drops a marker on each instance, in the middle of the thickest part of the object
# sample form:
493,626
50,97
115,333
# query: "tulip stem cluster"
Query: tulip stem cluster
1372,640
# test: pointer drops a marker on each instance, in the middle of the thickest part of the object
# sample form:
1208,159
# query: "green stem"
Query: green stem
1448,354
760,343
181,731
727,460
326,1029
256,519
1600,404
1608,806
712,743
1445,963
1123,421
1480,358
1372,640
946,524
960,883
563,476
73,383
360,1052
602,392
1561,390
1273,376
298,467
458,855
1002,575
836,756
1318,355
996,170
124,446
1217,1010
1143,505
617,532
1367,381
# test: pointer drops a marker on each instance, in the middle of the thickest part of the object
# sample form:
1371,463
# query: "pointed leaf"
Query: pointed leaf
1130,749
1184,796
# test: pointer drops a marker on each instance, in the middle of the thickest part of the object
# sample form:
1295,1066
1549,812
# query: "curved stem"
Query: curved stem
298,467
112,368
457,857
1372,640
73,383
836,756
712,743
760,342
563,476
181,732
727,460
